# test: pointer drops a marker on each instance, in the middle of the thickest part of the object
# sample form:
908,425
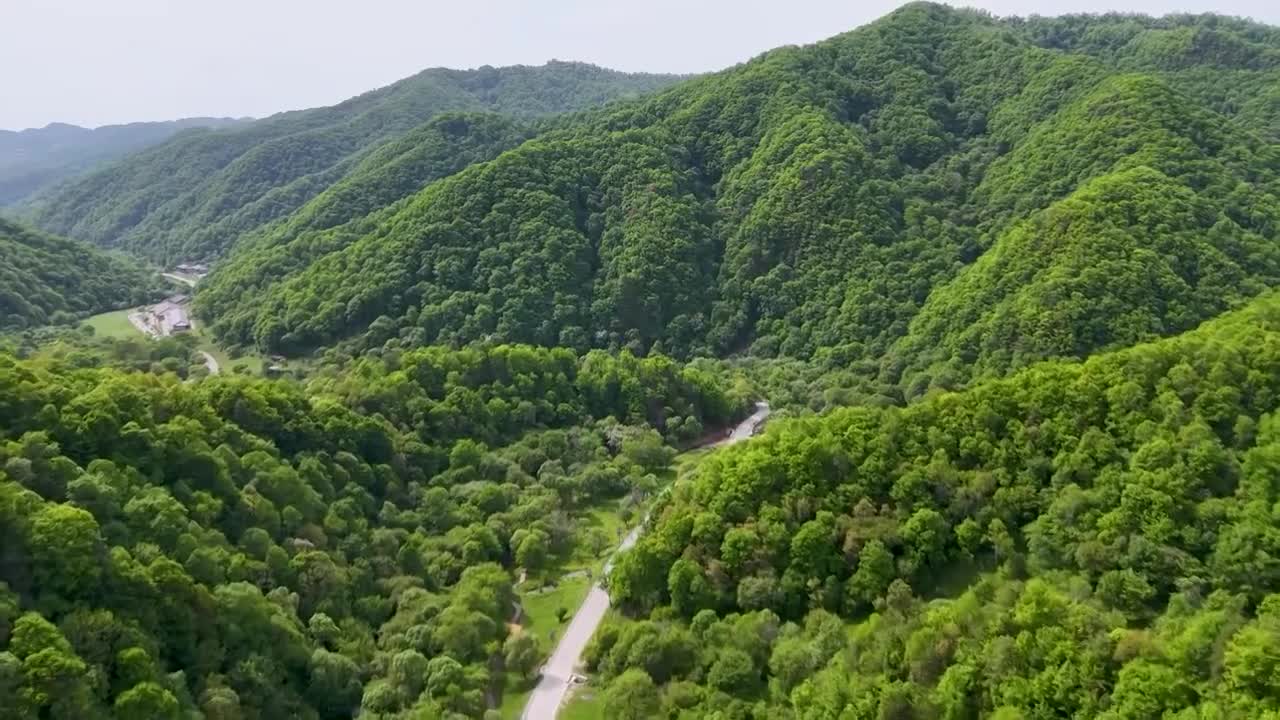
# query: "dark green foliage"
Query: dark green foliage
193,197
1130,256
337,217
882,202
46,279
1122,510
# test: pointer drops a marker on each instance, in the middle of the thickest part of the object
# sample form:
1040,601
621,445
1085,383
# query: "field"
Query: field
585,703
253,363
540,609
112,324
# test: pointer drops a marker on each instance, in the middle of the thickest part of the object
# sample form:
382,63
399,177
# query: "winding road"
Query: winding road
558,673
210,362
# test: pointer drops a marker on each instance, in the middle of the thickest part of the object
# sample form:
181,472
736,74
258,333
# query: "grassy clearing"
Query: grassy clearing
253,363
606,523
113,325
540,608
514,696
540,621
586,703
606,520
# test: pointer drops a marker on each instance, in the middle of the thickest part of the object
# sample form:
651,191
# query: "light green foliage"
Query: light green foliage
631,697
1119,512
250,548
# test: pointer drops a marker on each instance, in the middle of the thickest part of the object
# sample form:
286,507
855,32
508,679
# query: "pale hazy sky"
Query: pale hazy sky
94,62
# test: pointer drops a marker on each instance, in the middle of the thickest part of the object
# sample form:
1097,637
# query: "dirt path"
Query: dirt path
558,673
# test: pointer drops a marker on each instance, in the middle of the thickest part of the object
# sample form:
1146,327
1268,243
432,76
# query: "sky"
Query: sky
97,62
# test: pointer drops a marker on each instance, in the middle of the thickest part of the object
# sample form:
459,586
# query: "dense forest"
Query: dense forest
46,279
1090,539
38,158
245,548
939,195
192,197
353,206
1011,286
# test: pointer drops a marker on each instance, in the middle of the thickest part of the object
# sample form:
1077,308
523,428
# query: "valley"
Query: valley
449,400
557,677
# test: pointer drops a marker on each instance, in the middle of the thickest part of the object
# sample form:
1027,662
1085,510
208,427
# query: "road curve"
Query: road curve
210,362
557,674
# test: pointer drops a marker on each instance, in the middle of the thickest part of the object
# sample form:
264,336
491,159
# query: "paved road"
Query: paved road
545,701
210,362
189,282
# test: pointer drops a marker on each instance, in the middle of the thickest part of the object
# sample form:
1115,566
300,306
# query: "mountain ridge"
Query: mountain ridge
809,201
36,159
192,198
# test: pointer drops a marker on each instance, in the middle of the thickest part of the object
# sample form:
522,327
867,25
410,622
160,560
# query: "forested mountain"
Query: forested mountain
35,159
192,197
46,279
1230,65
937,195
1092,540
1040,256
355,205
241,548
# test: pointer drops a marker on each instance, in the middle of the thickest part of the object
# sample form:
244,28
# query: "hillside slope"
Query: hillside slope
1229,64
352,207
193,197
36,159
1082,539
46,279
1170,220
811,202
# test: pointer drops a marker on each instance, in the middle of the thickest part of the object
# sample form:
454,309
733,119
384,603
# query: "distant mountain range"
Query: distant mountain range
192,197
38,158
932,198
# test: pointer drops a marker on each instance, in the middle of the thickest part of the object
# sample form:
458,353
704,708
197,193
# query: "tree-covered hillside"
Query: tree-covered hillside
353,206
36,159
241,548
46,279
939,192
193,197
1091,540
1231,65
1040,257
